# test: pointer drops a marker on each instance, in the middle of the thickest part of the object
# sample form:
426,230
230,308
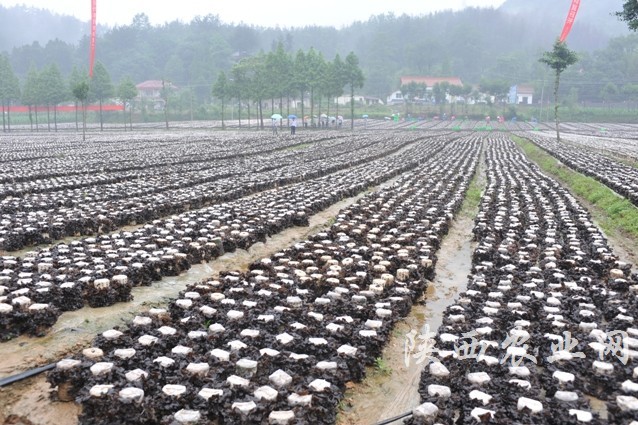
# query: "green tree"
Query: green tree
279,69
222,90
251,82
629,14
440,92
258,82
455,93
32,94
126,92
466,92
165,94
355,79
630,90
55,91
75,78
9,90
558,59
411,92
101,87
609,92
300,77
334,81
81,93
314,70
495,87
239,87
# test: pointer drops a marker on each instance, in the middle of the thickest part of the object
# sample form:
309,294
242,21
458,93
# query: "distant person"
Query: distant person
274,126
293,126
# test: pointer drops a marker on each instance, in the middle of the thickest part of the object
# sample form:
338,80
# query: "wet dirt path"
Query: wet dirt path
28,402
391,386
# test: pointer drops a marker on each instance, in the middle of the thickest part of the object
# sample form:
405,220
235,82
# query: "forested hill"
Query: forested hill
20,25
473,43
595,24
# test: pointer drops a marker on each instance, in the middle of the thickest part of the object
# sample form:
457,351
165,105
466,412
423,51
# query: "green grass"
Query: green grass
381,366
472,200
473,195
613,213
298,147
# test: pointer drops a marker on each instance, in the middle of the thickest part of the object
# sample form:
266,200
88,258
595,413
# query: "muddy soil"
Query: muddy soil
28,402
390,388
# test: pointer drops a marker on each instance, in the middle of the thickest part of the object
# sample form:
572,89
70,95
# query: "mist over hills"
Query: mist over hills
595,24
473,44
20,25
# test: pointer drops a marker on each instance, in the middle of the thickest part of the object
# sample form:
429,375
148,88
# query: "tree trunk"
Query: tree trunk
556,83
239,110
37,127
48,117
312,106
83,121
9,116
55,117
102,119
223,124
130,117
76,116
351,106
248,107
261,114
302,107
30,118
4,125
165,111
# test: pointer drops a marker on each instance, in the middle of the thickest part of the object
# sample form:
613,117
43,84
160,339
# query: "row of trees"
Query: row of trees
47,87
277,75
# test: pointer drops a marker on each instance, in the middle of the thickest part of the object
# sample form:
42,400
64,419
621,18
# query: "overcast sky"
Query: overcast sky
253,12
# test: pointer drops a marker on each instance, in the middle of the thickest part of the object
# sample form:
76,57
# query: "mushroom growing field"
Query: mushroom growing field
542,333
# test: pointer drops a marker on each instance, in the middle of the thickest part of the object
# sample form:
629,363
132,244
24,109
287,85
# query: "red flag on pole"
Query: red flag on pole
571,17
92,51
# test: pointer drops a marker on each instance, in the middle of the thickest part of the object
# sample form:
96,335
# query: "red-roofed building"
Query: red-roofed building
150,92
431,81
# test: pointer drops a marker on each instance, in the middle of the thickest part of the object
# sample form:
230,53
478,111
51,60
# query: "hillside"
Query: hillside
593,16
21,25
474,44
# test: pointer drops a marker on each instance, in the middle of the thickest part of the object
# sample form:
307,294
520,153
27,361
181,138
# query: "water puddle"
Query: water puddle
28,402
391,387
598,406
76,329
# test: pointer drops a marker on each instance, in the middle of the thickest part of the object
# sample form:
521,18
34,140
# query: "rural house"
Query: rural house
397,97
521,95
150,93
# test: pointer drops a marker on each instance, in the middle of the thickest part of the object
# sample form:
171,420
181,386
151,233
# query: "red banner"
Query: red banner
571,17
64,108
92,51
